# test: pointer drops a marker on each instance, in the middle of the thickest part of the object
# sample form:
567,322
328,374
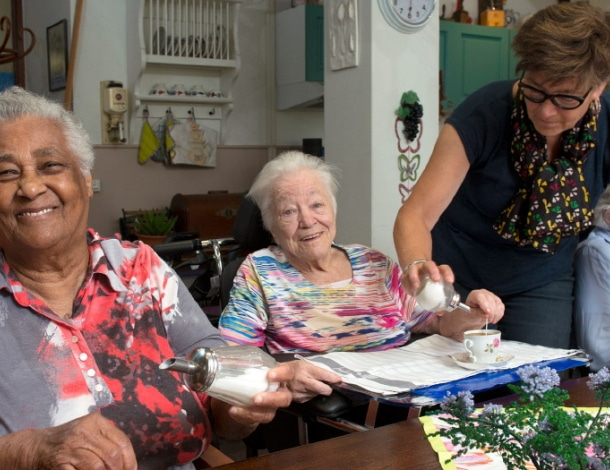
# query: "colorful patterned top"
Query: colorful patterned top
273,304
131,313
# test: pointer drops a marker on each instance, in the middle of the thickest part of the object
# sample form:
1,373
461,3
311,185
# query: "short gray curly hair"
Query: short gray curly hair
16,103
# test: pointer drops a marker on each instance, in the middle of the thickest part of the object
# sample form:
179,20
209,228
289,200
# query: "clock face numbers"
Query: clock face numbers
413,12
407,16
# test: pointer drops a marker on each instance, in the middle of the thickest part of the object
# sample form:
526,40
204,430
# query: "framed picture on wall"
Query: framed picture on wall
57,55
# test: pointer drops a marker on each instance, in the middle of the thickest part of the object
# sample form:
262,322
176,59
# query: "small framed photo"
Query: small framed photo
57,55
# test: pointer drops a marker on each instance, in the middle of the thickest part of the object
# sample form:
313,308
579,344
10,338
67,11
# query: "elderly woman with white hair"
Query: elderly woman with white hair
592,288
308,294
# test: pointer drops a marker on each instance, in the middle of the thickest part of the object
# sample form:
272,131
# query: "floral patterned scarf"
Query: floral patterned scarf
552,200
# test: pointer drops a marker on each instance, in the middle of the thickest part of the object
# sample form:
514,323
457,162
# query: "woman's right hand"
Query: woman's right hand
310,381
89,442
411,277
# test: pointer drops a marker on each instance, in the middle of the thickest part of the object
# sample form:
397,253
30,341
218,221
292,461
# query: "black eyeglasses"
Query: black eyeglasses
561,101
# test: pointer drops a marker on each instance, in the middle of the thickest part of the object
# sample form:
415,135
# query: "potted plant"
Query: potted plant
153,226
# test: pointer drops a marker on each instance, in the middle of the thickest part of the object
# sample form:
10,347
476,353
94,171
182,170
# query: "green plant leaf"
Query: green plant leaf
155,222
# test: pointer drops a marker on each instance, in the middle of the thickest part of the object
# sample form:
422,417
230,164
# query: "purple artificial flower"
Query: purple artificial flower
600,380
537,381
490,410
546,426
596,464
460,405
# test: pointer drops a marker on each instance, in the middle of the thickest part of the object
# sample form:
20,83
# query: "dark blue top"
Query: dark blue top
464,237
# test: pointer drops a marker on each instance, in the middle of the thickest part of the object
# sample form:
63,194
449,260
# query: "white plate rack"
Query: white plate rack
188,44
198,29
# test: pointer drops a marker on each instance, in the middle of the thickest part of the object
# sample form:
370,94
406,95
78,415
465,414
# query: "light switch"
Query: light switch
96,185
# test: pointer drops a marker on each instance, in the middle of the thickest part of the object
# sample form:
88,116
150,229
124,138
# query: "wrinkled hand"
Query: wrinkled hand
485,305
266,403
90,442
310,381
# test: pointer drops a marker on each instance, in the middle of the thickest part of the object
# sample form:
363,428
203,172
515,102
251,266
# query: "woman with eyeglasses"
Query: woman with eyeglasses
514,176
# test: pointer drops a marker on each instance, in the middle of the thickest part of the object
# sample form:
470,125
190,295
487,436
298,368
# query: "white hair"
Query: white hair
285,164
16,103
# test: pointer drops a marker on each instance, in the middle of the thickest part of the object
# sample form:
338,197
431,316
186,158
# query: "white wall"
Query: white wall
348,135
360,120
101,53
252,115
38,15
101,56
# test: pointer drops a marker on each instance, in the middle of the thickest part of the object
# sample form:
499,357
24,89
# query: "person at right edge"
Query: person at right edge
592,289
514,176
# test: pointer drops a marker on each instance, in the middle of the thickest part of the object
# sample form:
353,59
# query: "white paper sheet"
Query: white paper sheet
422,363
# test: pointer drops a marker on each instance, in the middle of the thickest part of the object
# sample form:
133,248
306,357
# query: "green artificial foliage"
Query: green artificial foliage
410,113
536,428
154,222
407,99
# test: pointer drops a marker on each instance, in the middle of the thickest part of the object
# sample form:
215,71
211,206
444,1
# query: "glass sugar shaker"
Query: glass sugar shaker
436,296
234,374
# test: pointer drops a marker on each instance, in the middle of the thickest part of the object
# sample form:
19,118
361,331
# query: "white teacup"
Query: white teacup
483,346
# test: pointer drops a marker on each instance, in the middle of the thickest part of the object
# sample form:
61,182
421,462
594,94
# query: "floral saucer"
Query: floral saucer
462,360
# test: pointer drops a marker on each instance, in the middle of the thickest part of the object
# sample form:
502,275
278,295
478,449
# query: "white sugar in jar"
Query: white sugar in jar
234,374
241,389
431,295
436,296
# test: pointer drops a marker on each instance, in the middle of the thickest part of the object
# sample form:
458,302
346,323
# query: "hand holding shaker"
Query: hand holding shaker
234,374
436,296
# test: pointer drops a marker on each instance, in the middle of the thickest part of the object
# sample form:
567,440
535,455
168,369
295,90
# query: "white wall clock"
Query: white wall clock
407,16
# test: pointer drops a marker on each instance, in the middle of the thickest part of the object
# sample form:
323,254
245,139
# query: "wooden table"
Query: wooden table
399,445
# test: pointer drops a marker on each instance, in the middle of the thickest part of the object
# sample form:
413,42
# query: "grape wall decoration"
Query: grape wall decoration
410,114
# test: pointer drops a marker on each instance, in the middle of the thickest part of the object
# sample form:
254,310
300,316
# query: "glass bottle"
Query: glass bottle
438,295
234,374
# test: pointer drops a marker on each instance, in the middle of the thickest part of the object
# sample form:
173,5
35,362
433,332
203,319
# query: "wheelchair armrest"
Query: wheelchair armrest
326,406
179,236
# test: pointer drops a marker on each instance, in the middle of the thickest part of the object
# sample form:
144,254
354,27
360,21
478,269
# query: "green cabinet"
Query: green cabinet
314,43
472,56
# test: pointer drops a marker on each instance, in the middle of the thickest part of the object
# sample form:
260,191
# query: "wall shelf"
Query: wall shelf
191,62
169,99
189,43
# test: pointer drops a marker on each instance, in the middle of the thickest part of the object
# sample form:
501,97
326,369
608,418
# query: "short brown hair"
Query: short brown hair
566,41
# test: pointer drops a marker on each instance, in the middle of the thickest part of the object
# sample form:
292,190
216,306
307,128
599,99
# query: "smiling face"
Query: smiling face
549,119
44,196
303,217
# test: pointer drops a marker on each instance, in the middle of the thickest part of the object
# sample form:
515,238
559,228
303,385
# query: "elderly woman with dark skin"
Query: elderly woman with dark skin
86,321
308,294
515,174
